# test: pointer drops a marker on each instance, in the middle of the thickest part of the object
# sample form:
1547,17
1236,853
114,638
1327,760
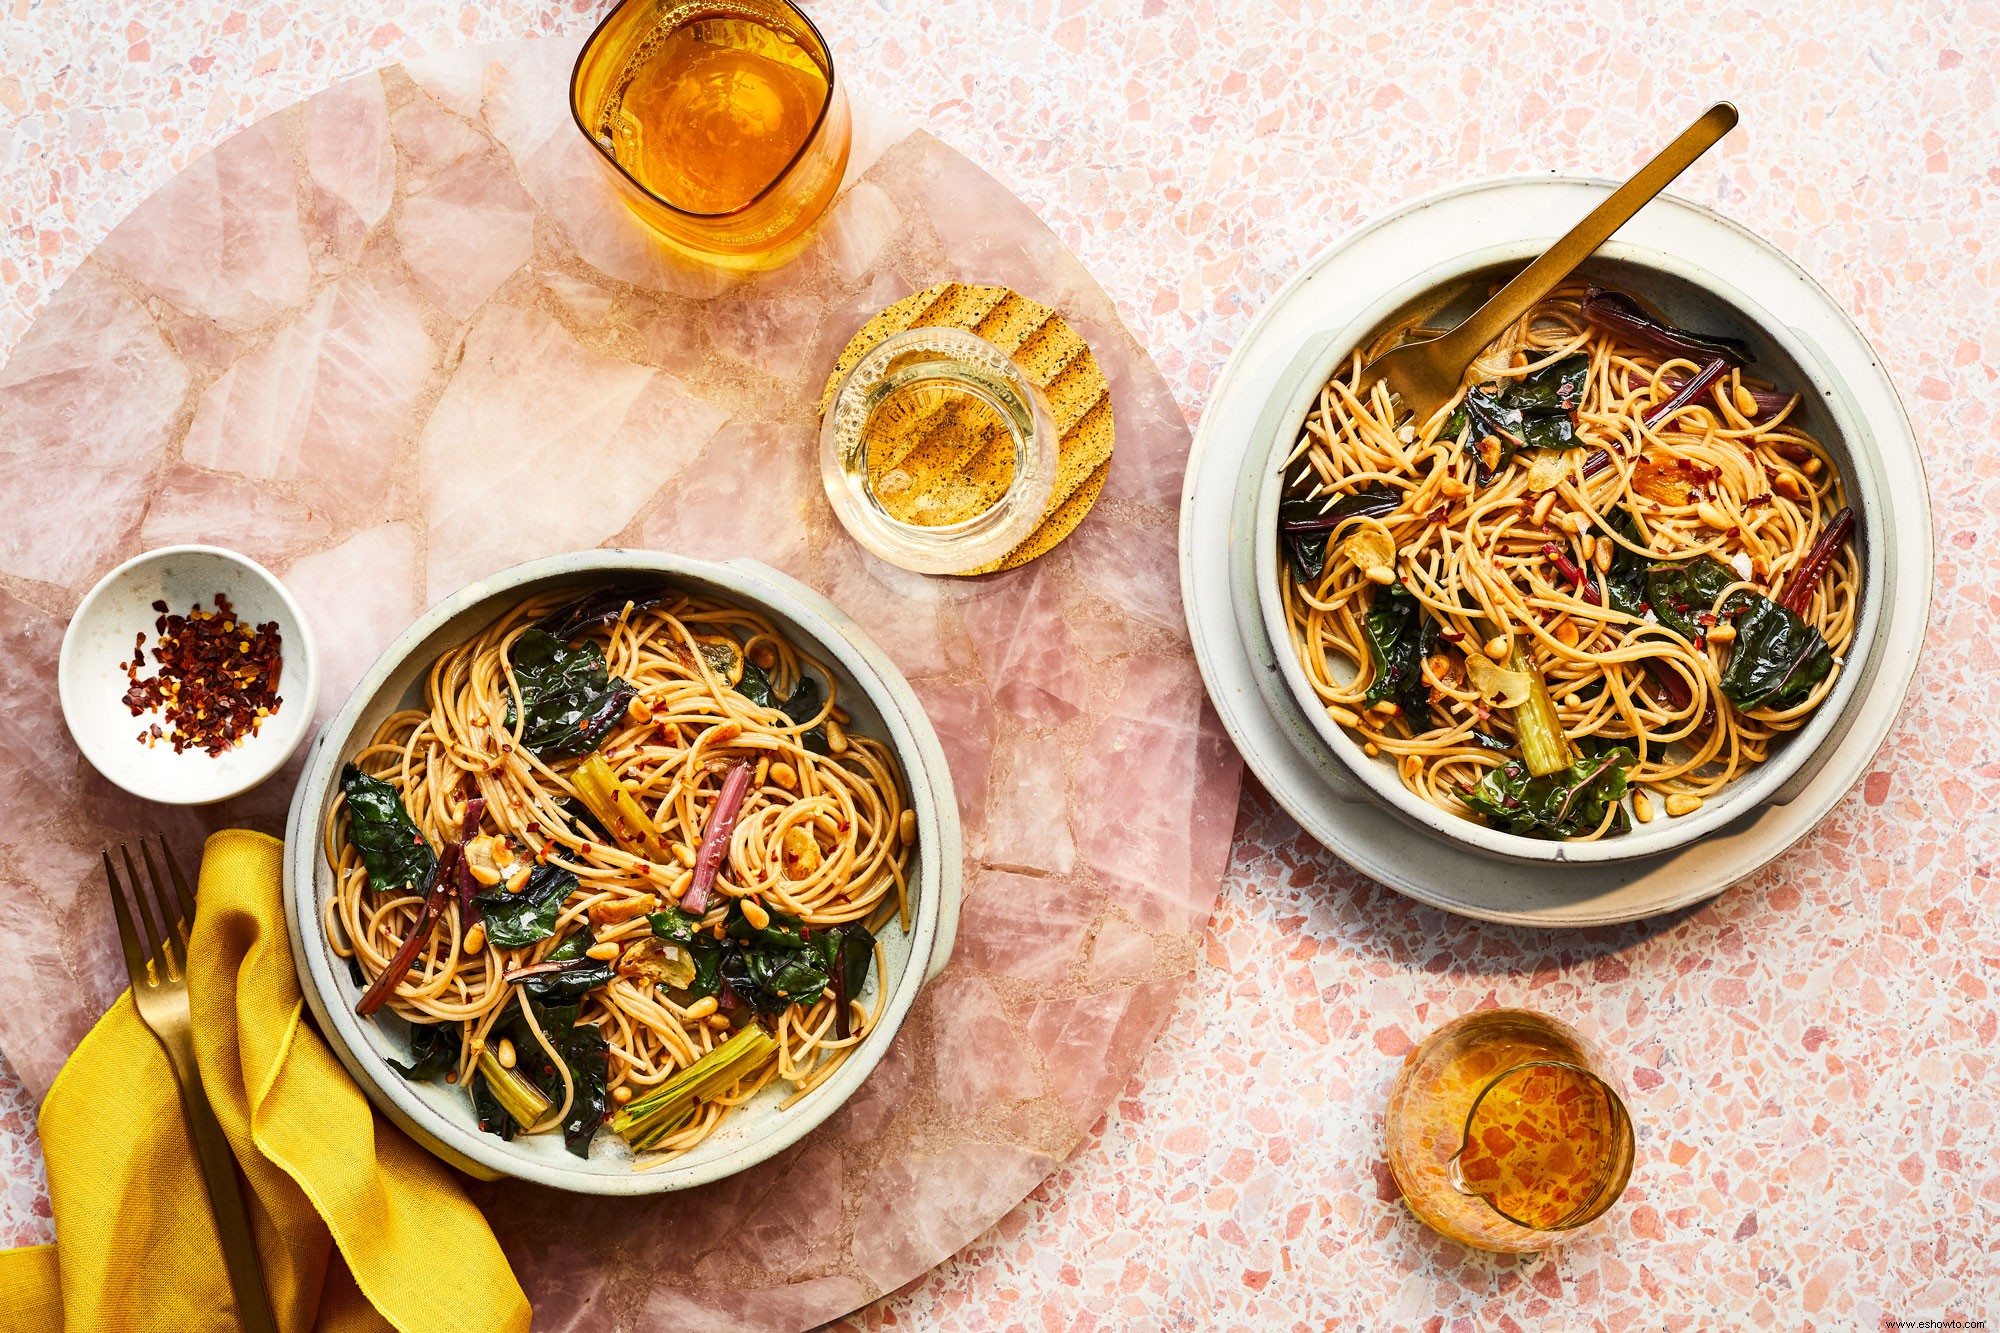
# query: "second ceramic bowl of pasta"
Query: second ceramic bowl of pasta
440,1116
1678,288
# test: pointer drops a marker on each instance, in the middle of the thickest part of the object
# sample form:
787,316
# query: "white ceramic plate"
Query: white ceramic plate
1239,663
440,1116
93,685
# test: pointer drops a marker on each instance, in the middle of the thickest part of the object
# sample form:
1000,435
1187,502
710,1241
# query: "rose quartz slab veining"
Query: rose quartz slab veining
1810,1057
405,335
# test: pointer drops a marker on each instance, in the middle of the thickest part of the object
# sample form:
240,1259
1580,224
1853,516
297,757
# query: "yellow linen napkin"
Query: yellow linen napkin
358,1227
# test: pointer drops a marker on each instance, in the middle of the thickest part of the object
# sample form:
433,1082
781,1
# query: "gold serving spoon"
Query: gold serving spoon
1427,375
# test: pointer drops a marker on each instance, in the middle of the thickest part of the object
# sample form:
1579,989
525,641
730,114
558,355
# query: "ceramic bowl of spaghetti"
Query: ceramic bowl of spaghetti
619,871
1617,594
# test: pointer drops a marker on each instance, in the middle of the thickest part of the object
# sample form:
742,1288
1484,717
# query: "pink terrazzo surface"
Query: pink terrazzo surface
1812,1056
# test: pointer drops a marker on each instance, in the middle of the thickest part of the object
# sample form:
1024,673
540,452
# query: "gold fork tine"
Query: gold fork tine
142,911
173,924
181,889
128,935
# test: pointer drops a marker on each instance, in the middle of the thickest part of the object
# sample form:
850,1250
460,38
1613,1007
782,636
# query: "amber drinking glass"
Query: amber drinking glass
1505,1131
721,122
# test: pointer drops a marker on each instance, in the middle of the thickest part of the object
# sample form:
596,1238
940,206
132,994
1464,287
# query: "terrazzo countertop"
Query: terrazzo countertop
1811,1056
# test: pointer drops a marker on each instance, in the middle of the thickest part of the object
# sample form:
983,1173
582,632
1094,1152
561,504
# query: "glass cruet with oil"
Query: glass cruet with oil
1506,1131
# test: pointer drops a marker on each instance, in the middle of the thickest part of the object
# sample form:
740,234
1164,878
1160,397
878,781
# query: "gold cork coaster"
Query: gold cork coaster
1054,358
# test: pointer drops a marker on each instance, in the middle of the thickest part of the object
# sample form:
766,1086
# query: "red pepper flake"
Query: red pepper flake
217,679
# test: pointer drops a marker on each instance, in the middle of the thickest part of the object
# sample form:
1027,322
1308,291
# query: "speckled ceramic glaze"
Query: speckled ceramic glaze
1677,284
1228,553
441,1117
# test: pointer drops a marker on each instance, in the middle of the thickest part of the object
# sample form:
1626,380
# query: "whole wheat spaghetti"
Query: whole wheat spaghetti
1615,567
646,865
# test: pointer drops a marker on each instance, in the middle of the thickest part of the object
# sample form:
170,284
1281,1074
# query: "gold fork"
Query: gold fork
159,993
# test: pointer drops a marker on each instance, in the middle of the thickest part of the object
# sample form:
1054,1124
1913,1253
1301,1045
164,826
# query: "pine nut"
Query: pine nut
1723,633
701,1008
1370,749
604,952
1454,489
1607,551
1642,807
621,1094
1680,803
504,1053
763,654
907,827
1576,523
1496,647
1386,707
785,775
1346,717
1572,701
1543,506
1746,402
720,1022
763,771
1587,546
836,739
639,710
1712,516
1566,633
1813,465
1381,574
1412,766
684,854
1787,485
475,940
754,913
840,715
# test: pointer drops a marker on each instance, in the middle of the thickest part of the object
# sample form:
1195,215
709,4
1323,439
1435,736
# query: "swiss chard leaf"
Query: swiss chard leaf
852,949
1776,659
434,1049
1564,804
393,850
802,705
1399,635
574,982
1536,411
783,932
1620,314
599,606
1305,529
588,1055
1683,590
1626,579
571,700
516,920
684,929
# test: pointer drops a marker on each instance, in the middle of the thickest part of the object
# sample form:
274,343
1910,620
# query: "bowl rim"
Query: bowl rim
848,650
1803,749
301,677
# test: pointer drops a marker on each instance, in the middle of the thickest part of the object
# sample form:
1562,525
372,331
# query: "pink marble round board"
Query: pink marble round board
404,335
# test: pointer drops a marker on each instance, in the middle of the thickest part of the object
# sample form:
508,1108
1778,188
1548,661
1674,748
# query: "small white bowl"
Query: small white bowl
93,684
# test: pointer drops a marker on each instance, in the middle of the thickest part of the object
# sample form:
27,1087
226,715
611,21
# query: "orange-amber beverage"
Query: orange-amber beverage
720,119
1506,1132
